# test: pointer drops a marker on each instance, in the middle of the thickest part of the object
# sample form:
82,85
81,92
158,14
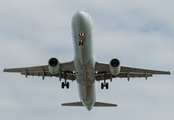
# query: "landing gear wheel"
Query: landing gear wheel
63,85
67,85
102,85
107,85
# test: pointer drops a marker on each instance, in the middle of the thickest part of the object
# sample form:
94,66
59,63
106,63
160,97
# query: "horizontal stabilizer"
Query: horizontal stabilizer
100,104
97,104
73,104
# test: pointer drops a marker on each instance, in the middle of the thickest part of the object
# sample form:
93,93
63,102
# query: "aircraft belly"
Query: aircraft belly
84,60
85,74
85,77
87,95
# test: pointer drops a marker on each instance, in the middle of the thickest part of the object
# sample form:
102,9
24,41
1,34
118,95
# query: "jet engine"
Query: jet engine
53,66
114,66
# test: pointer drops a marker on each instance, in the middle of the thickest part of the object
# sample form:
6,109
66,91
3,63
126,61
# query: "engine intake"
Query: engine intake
114,66
53,66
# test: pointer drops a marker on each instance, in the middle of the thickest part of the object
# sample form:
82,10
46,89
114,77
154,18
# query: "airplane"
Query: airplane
84,68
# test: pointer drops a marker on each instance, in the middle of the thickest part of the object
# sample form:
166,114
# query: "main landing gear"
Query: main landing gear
104,85
65,84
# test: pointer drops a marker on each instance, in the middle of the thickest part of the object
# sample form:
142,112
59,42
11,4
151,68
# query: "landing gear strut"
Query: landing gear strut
81,43
65,84
104,85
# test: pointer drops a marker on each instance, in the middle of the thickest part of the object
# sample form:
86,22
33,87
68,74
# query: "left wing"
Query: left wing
65,68
103,72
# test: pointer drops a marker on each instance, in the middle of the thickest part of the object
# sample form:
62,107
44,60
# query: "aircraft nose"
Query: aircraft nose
80,15
82,18
81,11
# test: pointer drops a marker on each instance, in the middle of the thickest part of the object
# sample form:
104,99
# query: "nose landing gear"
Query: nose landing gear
81,43
81,38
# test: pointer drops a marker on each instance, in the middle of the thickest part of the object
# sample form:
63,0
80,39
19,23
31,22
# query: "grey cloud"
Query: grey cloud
138,33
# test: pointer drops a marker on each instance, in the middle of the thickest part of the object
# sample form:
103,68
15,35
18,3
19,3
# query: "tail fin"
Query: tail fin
96,104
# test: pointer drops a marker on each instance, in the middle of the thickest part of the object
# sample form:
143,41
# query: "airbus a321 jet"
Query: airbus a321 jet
84,68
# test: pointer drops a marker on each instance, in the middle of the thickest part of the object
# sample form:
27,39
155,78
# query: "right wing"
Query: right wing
125,72
65,68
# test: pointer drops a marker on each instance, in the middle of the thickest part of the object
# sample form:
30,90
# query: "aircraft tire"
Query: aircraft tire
102,85
107,85
67,85
63,85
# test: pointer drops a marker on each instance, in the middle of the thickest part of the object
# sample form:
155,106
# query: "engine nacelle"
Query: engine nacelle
114,66
53,66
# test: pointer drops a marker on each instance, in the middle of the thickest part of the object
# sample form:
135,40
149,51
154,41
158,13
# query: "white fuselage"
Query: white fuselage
84,60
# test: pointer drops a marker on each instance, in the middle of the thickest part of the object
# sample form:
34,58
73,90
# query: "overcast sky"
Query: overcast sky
140,33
